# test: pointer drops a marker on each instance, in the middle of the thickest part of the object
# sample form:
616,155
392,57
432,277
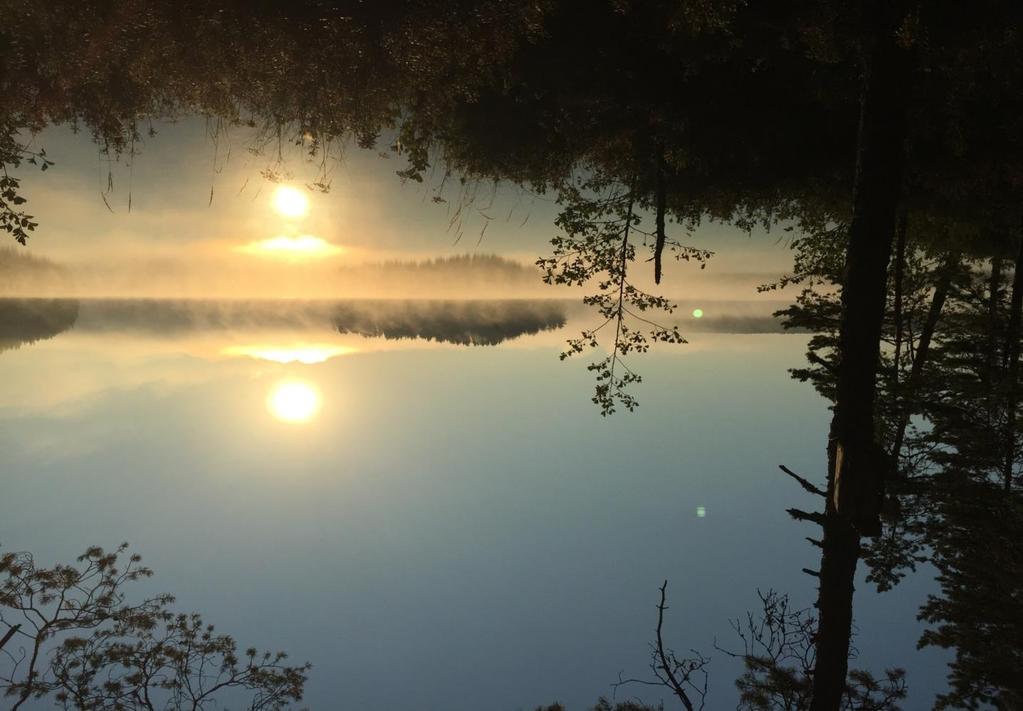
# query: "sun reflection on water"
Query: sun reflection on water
293,401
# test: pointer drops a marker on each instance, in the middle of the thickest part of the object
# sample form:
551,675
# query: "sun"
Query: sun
293,401
290,202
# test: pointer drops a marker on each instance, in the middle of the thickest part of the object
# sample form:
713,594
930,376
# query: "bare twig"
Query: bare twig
801,515
803,482
10,633
673,682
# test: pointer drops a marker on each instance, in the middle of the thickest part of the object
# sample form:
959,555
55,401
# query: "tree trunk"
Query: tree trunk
991,356
1012,372
661,206
856,462
900,274
941,289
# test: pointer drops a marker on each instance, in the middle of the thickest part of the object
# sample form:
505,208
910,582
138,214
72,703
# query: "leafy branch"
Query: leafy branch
599,220
13,219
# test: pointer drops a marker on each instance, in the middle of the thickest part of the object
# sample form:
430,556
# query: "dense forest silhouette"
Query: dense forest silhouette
470,323
25,321
885,135
948,387
462,322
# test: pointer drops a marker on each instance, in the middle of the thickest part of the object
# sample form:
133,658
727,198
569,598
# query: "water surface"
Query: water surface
449,526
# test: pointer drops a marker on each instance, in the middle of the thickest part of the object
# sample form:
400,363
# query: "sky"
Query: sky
205,222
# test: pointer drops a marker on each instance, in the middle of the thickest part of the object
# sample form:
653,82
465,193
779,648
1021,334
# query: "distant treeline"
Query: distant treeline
470,323
475,322
28,320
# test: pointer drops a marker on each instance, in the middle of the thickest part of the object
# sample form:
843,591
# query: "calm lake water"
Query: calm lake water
433,524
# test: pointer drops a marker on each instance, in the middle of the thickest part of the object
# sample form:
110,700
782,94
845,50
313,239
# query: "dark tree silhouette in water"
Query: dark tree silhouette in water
475,322
977,543
71,635
601,226
973,518
607,705
28,320
13,218
778,657
954,498
469,323
685,678
922,280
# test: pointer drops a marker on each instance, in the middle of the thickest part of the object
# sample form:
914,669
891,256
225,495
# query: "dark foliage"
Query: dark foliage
73,637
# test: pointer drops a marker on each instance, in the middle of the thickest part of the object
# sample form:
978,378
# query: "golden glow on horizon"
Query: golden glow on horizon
290,202
299,247
697,313
305,353
293,401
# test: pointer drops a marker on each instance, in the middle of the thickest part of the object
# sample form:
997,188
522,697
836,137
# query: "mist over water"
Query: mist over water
462,322
222,273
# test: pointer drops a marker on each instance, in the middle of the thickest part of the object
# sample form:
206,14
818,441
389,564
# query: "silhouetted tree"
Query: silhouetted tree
978,551
601,226
779,659
951,502
606,705
13,218
71,635
685,678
